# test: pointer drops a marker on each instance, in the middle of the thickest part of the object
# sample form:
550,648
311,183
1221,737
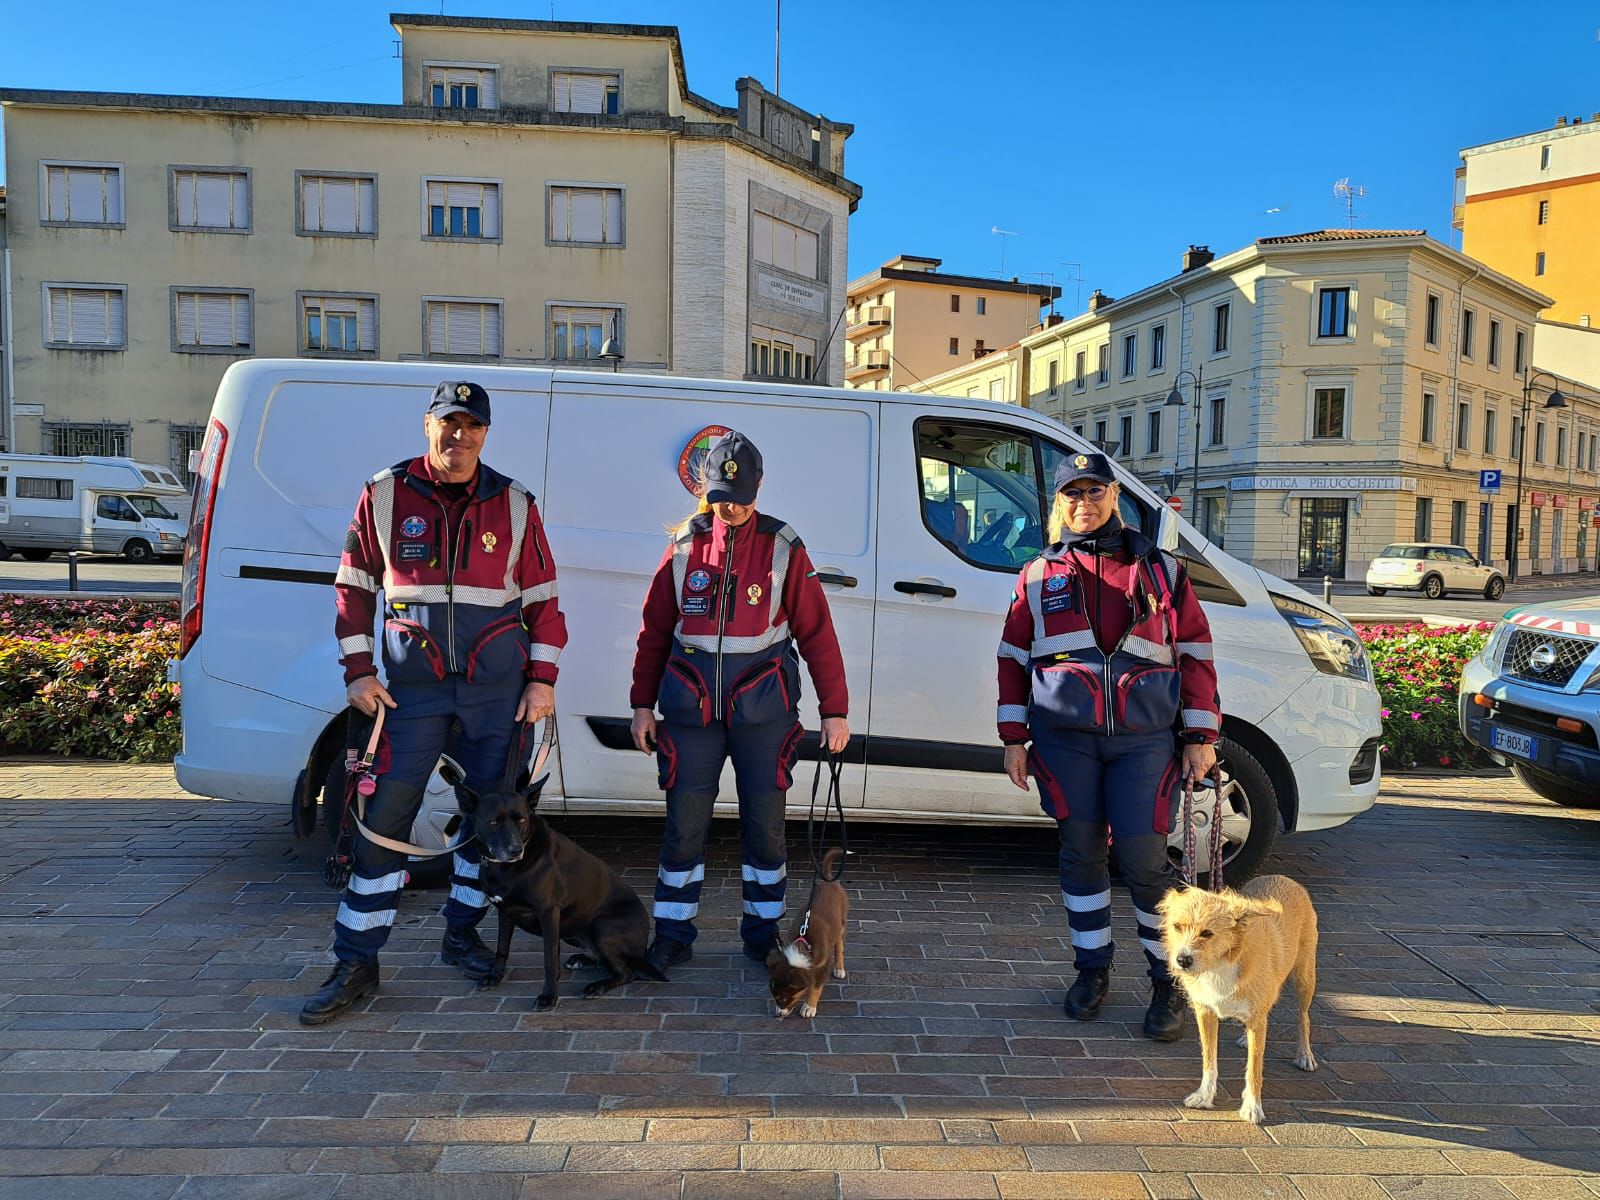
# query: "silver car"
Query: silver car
1432,569
1531,698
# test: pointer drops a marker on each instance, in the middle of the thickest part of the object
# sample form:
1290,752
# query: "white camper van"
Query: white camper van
93,504
917,511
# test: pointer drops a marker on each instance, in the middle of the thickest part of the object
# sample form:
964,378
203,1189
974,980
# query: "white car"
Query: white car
916,510
1433,570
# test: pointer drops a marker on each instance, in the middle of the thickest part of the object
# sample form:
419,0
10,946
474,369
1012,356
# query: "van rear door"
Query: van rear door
613,491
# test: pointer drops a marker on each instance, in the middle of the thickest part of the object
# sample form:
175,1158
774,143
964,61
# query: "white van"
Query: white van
918,586
94,504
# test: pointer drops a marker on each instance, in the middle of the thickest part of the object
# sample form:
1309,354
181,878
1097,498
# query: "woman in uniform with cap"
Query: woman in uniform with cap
1106,666
734,594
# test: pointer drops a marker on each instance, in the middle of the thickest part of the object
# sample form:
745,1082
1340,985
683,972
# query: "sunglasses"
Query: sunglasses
1095,493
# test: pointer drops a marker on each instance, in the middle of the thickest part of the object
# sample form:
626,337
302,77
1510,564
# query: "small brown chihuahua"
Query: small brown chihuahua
799,969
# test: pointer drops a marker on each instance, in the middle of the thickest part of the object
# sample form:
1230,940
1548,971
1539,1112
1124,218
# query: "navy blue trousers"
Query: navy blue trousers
1129,784
416,731
690,760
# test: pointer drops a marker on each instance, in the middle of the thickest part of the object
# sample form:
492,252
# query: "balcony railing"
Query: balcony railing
874,317
870,363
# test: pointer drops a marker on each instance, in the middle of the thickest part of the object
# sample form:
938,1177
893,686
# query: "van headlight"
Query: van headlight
1331,642
1496,645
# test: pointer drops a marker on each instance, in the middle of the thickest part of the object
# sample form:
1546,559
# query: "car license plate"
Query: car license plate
1520,744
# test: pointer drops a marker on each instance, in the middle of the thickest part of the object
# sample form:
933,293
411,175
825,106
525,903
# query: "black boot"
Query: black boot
350,982
463,948
758,951
1164,1021
1086,995
664,953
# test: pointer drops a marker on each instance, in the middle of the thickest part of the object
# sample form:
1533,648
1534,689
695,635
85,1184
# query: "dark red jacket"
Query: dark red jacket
469,586
1096,632
713,567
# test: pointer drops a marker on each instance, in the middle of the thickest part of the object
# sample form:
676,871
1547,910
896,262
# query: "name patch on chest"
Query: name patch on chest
1060,602
411,551
697,606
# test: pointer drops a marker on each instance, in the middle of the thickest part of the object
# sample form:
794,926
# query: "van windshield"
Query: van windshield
1399,551
149,506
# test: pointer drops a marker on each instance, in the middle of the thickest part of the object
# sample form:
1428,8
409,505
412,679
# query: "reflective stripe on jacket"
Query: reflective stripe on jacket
469,586
1056,666
736,595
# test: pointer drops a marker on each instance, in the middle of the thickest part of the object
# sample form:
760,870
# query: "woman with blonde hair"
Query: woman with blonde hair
733,596
1106,666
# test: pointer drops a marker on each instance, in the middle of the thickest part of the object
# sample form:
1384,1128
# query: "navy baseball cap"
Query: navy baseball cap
460,396
732,470
1084,466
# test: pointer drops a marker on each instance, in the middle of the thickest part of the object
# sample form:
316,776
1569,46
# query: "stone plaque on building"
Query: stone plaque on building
791,292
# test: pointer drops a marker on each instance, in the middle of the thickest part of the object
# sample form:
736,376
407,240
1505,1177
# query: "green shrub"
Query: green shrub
1418,669
88,677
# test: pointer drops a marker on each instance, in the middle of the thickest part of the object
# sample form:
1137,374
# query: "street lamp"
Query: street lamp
1175,400
1554,400
611,349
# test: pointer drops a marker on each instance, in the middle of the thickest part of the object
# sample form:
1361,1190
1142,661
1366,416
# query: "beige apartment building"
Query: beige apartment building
908,321
541,187
1343,389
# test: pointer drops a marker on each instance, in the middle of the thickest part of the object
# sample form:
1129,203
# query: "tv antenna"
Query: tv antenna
1349,193
1077,281
1003,235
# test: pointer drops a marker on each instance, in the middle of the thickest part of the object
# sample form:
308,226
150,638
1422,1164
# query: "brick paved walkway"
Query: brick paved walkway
154,950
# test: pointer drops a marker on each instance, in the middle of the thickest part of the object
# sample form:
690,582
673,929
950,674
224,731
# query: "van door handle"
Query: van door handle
912,587
838,577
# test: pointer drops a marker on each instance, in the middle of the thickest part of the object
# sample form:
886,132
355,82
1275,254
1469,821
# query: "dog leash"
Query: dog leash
834,800
1190,869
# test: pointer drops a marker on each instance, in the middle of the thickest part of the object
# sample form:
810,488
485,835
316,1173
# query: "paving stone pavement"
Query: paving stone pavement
154,950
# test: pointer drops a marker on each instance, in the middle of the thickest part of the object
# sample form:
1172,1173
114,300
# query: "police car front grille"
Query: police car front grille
1535,656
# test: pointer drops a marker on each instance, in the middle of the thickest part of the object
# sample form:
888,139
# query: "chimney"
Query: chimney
1197,256
1560,122
1098,300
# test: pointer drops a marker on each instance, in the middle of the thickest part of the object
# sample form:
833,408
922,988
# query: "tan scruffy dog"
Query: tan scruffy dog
798,972
1233,952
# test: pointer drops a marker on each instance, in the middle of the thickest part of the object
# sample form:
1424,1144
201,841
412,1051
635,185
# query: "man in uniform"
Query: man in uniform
471,633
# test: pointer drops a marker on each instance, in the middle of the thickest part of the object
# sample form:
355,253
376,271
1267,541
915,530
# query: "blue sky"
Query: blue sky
1106,135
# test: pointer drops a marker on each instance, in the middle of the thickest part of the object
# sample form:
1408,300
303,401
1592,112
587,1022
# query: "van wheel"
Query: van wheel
427,873
1433,587
1553,788
1249,818
1376,591
35,555
1494,589
138,551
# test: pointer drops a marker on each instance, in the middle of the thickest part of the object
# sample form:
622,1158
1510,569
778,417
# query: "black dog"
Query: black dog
550,886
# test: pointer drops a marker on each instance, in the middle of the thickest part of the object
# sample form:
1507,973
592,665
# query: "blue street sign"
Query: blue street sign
1488,481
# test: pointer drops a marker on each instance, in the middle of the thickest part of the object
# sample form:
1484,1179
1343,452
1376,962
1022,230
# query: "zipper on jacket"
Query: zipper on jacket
466,545
722,613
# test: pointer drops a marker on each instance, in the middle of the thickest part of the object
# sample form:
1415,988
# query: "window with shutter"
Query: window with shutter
585,92
339,324
577,333
80,193
785,246
86,317
338,205
210,200
585,215
458,85
781,355
463,208
463,328
215,321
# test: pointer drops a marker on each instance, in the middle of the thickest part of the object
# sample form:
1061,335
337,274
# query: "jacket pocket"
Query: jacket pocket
411,653
787,754
1052,799
1068,696
500,651
1148,699
666,759
684,699
761,696
1167,794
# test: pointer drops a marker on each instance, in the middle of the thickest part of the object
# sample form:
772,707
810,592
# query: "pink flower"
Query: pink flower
1384,713
1416,716
127,718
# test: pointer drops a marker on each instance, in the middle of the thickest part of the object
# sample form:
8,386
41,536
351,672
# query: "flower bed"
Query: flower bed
1417,669
88,677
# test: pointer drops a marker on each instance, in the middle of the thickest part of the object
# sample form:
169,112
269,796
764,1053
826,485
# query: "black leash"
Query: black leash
833,800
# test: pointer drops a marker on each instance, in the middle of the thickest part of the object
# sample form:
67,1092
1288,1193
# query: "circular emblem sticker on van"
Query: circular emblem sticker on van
699,581
1055,583
692,458
413,527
